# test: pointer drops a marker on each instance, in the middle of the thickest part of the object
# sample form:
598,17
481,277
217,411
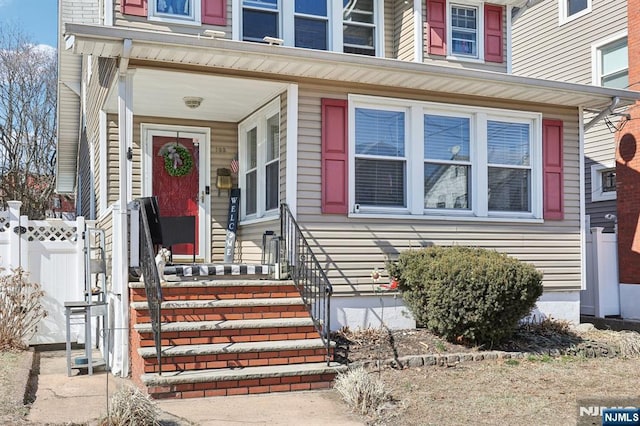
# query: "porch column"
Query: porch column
120,275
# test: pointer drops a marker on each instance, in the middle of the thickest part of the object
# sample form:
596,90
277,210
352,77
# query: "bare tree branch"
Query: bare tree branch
28,96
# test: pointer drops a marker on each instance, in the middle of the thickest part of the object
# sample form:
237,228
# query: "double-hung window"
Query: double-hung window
349,26
311,24
425,159
509,166
259,173
359,27
447,162
464,31
612,66
380,158
260,18
178,11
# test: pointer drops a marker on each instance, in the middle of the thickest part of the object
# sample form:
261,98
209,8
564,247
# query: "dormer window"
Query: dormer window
464,31
184,12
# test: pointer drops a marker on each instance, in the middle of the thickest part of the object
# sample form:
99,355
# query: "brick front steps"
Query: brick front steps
228,337
222,382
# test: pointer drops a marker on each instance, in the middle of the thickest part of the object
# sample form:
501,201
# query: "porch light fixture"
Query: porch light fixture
192,102
273,41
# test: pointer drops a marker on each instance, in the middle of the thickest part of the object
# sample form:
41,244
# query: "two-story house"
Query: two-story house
382,125
586,41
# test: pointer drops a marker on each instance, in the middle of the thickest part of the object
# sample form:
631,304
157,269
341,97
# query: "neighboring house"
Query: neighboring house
586,41
381,124
628,166
580,41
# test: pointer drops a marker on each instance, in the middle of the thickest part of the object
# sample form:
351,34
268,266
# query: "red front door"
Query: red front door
176,183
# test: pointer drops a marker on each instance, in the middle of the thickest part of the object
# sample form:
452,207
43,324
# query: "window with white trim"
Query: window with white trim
464,30
509,166
572,9
427,159
380,160
612,64
359,27
177,11
603,181
259,154
447,162
260,18
350,26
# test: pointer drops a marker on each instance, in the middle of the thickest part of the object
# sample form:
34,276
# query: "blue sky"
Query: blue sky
38,18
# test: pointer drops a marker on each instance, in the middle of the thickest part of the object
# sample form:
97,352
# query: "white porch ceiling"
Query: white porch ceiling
160,93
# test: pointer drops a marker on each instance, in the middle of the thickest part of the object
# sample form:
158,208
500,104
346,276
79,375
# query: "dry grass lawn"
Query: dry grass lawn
539,390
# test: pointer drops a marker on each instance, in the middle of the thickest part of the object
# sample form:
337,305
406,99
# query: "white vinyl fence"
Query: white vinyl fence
602,295
51,252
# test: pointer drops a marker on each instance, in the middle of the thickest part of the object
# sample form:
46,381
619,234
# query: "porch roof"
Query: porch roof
282,63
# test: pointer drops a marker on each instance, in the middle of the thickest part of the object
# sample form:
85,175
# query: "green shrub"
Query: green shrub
467,294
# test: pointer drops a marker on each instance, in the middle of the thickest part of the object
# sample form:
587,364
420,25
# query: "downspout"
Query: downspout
608,110
520,10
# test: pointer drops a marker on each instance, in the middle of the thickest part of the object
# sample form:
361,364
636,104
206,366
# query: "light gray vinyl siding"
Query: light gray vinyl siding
85,192
106,224
70,74
403,35
600,147
542,48
349,248
480,65
102,76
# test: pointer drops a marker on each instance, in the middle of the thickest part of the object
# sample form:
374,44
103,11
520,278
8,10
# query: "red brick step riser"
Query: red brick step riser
223,314
201,337
235,360
242,387
219,293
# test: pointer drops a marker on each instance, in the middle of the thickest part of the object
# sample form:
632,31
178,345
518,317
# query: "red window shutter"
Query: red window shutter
553,206
335,156
437,27
493,33
134,7
214,12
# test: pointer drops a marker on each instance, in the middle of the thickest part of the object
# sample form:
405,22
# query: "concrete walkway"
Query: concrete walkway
82,399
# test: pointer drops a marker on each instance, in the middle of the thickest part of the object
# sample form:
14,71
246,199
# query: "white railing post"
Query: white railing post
14,234
81,270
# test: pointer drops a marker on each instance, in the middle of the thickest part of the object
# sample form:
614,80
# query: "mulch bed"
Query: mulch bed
381,345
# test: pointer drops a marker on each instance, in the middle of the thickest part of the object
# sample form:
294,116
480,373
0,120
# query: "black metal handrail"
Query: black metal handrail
151,280
307,274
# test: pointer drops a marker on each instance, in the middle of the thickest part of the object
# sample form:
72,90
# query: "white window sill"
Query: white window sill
452,57
449,218
178,21
253,221
603,196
